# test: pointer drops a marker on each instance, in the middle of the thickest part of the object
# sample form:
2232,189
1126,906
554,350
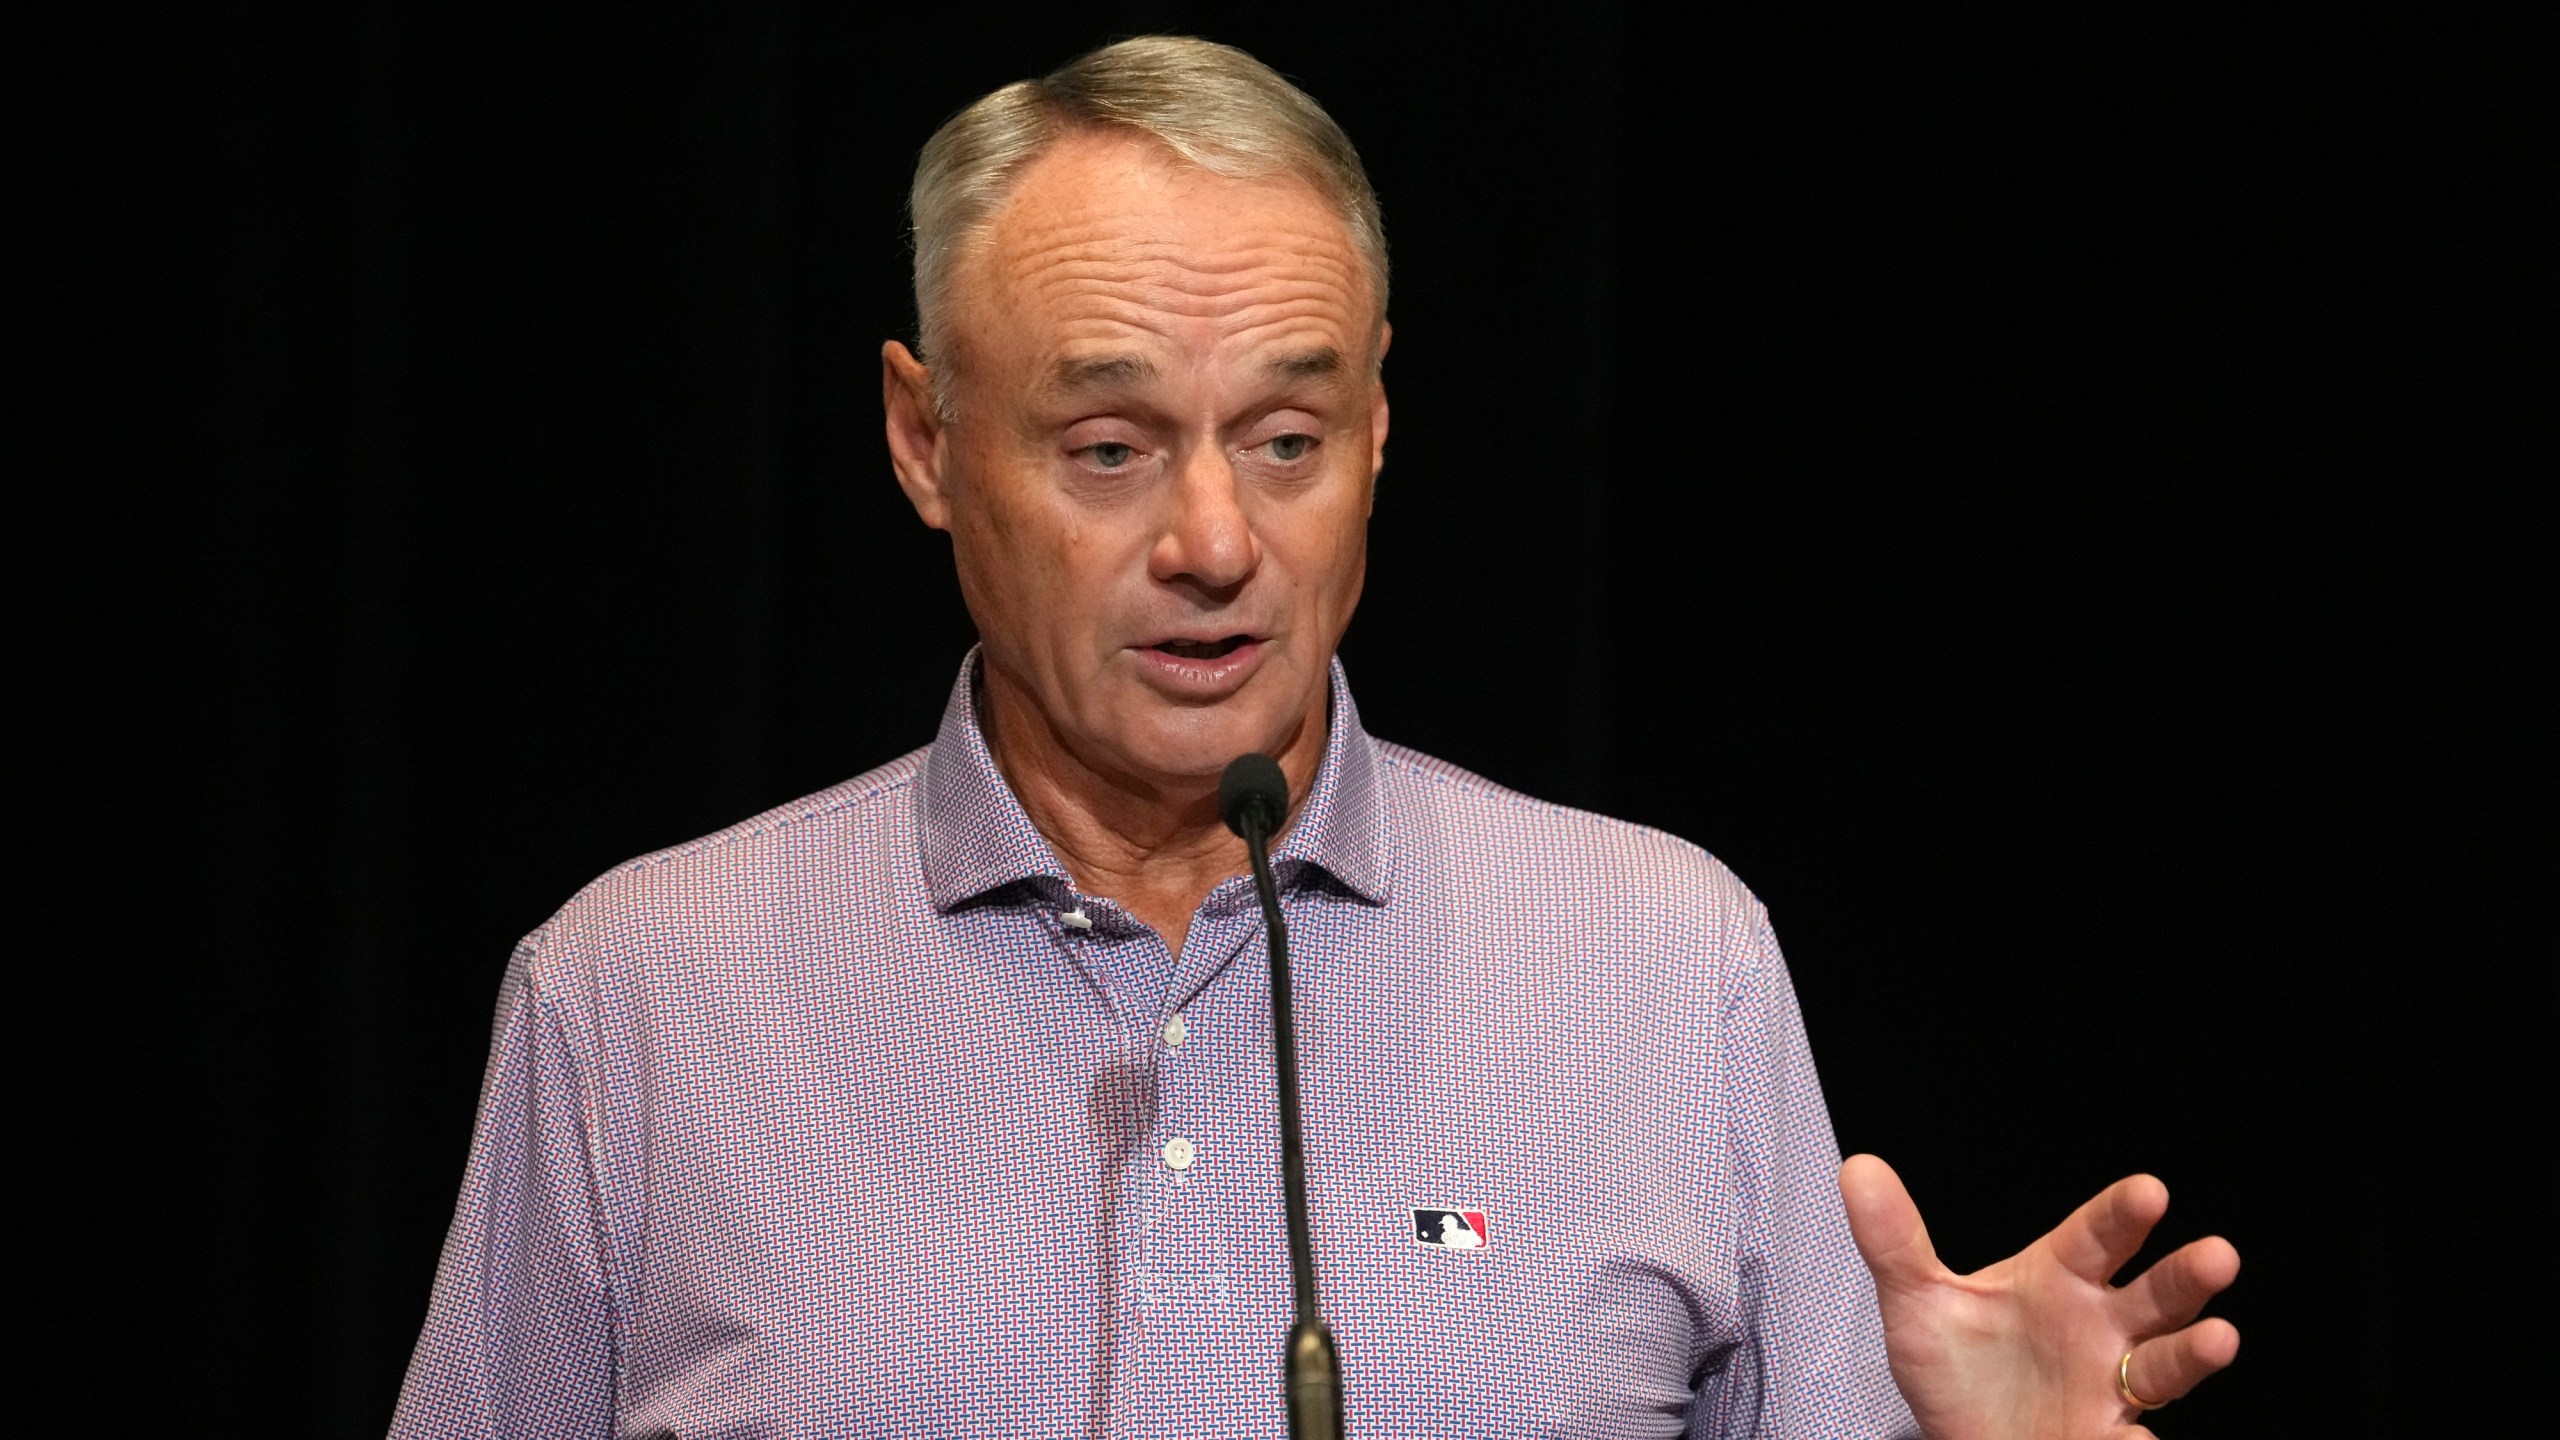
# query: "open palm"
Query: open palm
2027,1349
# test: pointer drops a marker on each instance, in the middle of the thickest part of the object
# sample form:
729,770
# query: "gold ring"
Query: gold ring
2124,1385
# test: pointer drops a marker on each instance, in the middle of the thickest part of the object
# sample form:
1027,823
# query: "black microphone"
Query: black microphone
1254,796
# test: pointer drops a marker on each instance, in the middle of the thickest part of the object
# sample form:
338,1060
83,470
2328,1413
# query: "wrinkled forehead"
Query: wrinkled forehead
1113,244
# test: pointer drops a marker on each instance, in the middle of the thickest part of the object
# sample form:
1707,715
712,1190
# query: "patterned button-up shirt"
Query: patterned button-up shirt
859,1119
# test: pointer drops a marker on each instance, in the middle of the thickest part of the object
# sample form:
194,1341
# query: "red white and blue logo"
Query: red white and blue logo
1448,1229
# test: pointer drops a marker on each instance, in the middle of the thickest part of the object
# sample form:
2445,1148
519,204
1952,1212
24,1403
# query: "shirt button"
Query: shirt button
1179,1153
1175,1032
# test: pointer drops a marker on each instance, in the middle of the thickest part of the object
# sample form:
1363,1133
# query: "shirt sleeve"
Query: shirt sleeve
1812,1363
518,1339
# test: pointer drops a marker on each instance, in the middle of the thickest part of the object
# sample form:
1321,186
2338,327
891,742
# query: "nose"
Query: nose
1207,541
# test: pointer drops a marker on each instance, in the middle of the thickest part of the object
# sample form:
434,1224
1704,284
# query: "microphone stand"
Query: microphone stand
1256,800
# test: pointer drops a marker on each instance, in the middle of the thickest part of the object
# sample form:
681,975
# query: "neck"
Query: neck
1155,845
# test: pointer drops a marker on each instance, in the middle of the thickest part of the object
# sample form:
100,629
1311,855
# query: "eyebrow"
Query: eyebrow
1099,372
1316,364
1102,372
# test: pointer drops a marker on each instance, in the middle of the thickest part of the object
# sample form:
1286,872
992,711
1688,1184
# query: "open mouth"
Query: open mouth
1202,649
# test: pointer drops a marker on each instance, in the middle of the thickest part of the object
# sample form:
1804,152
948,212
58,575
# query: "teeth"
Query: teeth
1198,649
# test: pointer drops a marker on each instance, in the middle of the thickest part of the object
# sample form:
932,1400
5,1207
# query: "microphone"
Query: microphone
1254,796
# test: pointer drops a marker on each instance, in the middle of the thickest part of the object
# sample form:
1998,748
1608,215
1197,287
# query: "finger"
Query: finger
2167,1368
2096,1239
2170,1293
1887,1225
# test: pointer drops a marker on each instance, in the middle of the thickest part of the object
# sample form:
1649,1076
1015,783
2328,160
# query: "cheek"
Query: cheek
999,558
1014,555
1351,572
1038,569
1329,549
1355,559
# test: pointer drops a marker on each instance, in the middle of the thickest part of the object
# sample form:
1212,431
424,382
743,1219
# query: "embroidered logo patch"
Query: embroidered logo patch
1450,1229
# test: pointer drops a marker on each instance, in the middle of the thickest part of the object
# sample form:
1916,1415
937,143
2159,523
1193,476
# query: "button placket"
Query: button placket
1184,1257
1181,1148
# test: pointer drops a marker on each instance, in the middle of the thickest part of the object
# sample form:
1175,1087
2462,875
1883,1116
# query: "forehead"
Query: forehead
1110,243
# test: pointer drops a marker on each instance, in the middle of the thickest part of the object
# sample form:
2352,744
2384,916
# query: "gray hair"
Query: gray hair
1213,105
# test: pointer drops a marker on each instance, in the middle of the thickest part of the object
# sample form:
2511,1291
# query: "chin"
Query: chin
1197,744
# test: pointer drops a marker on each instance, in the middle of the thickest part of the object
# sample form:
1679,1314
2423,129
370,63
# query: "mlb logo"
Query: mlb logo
1444,1229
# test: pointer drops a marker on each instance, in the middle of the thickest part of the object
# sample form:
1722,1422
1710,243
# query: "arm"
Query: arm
1814,1364
518,1339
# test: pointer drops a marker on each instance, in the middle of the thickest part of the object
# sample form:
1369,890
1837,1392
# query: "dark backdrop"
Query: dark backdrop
2045,500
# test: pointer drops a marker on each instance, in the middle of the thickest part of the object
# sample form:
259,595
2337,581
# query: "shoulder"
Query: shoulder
738,885
1605,871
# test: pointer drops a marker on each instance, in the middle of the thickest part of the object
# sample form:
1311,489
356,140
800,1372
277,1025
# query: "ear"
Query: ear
1378,403
916,434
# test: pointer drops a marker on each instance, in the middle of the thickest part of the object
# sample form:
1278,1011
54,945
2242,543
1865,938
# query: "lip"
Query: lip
1200,678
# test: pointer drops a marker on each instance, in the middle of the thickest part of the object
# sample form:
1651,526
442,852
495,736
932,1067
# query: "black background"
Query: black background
2045,499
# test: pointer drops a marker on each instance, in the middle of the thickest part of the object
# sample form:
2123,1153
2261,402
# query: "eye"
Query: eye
1110,455
1291,447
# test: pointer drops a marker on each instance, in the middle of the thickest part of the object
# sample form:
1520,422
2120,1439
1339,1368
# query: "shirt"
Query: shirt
858,1119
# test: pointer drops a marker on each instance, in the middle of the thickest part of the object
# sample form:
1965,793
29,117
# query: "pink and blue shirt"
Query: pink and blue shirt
858,1119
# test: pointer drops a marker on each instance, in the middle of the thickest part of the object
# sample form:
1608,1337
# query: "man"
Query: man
942,1102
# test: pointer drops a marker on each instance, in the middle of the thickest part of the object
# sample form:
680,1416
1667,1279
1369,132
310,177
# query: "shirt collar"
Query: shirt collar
977,837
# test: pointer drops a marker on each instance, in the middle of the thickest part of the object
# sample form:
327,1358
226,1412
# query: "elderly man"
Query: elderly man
941,1103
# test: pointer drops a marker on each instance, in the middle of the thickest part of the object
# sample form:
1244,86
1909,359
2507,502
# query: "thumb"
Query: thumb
1887,1225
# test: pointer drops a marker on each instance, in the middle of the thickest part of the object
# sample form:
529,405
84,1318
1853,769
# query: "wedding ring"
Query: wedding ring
2124,1385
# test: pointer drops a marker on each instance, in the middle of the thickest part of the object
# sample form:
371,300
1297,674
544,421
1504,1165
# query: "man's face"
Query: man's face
1168,426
